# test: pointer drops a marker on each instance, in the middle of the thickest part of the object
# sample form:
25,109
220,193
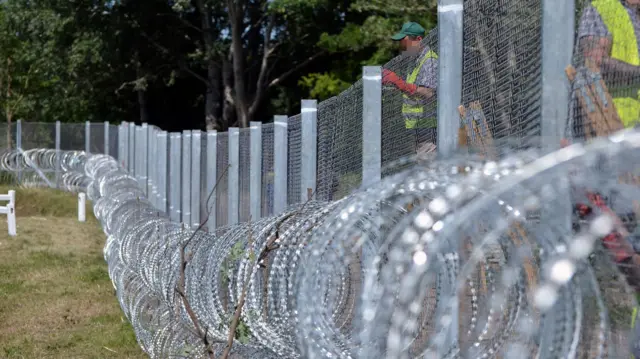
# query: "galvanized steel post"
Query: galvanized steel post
309,155
280,158
371,125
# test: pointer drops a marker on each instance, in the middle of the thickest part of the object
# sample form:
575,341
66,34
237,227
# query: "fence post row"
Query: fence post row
371,125
255,170
280,170
175,171
211,178
233,178
309,114
186,178
196,169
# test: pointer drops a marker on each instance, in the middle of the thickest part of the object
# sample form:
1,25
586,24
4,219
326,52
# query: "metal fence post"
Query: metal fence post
212,178
557,52
19,143
58,155
87,137
234,176
280,153
19,134
175,177
107,138
371,125
255,170
309,113
137,153
144,147
196,169
186,178
162,170
132,147
152,165
123,144
449,96
449,75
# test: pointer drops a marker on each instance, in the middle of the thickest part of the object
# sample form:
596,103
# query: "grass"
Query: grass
56,298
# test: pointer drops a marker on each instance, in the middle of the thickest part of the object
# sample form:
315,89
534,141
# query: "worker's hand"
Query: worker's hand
425,92
390,77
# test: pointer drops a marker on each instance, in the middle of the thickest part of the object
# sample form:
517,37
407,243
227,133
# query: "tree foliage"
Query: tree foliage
188,63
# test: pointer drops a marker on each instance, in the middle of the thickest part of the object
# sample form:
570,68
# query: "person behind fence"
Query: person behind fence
608,36
418,86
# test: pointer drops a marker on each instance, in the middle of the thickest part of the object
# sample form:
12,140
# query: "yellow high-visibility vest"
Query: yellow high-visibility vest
624,48
412,110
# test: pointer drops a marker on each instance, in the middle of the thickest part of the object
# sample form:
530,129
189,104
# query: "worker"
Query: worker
418,86
608,40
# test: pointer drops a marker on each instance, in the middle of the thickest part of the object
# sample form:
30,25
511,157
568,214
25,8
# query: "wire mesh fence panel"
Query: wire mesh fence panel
72,137
222,212
245,175
96,138
38,135
400,135
502,65
340,144
325,180
294,164
267,170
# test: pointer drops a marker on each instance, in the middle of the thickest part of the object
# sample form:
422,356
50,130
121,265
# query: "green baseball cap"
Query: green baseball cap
409,29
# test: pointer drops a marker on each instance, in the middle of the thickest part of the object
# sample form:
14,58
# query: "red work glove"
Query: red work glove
391,78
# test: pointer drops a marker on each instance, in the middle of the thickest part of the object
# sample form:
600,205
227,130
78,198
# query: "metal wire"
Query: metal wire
385,272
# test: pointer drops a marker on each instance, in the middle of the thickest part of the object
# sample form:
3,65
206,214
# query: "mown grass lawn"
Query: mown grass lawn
56,299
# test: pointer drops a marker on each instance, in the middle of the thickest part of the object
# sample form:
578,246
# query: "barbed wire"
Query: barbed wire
387,272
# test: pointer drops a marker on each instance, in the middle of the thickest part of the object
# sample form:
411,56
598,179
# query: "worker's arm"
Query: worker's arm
597,50
391,78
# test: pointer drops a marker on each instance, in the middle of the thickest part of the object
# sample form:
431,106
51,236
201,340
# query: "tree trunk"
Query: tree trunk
8,112
142,98
239,68
212,107
228,109
213,100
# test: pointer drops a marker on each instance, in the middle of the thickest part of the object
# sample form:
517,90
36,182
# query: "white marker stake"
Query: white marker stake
82,209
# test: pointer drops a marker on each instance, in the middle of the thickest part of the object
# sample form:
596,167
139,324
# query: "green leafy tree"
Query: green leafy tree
363,39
